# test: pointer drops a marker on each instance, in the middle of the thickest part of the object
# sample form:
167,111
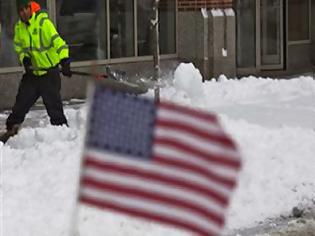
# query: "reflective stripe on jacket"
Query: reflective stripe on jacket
40,41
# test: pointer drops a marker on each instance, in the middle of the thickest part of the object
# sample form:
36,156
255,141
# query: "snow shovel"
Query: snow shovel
116,80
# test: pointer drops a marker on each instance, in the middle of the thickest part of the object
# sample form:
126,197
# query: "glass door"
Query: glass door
271,34
246,34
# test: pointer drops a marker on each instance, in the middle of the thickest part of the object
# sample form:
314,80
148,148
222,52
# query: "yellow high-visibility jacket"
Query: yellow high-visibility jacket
40,41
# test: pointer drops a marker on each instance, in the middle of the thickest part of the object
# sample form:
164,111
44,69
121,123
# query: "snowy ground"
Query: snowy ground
272,121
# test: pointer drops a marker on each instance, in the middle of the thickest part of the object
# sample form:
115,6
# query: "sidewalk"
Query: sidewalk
303,226
283,226
296,228
38,113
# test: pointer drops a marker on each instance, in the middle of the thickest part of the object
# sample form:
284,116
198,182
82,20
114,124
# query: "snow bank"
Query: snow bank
272,122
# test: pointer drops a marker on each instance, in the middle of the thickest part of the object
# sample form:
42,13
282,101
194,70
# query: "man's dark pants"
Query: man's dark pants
30,89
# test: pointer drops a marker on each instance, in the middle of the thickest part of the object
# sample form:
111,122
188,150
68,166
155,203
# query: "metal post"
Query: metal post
205,44
156,48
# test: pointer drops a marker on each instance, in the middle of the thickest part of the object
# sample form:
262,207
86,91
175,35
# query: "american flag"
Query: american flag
158,161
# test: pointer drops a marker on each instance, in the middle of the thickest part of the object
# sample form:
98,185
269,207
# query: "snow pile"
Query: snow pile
272,122
278,172
188,82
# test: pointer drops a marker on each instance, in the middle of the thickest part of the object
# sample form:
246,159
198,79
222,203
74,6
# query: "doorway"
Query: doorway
271,34
260,35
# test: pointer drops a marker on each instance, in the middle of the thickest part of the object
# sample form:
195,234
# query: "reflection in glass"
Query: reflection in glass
271,32
144,12
298,16
83,26
121,28
167,27
8,18
246,33
42,3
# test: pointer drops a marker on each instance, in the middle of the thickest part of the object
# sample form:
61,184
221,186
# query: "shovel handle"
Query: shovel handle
97,76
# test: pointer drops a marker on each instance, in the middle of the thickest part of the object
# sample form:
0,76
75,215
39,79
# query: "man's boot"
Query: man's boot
10,133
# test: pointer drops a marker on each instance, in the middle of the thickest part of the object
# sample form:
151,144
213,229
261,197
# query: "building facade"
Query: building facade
232,37
275,35
260,37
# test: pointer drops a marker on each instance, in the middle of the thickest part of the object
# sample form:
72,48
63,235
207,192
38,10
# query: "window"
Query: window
144,12
167,34
298,20
246,33
42,3
8,18
167,26
82,24
121,28
97,29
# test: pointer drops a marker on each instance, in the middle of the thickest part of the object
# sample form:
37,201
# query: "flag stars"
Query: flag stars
153,112
125,126
123,95
140,154
146,102
122,123
117,149
111,91
151,138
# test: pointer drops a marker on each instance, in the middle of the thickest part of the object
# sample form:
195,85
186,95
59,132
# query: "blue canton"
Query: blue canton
121,123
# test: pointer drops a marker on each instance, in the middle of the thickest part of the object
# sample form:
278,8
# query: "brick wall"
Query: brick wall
195,5
167,4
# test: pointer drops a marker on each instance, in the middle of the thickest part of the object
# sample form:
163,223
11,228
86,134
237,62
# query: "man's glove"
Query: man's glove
27,63
65,67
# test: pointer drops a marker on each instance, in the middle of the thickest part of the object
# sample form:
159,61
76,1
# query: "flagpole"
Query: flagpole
1,192
74,229
156,48
74,220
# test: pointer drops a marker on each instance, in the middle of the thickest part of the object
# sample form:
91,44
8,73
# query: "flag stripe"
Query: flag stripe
185,166
149,196
211,158
211,127
152,208
188,111
187,225
154,187
192,130
152,168
200,144
224,172
158,161
179,183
